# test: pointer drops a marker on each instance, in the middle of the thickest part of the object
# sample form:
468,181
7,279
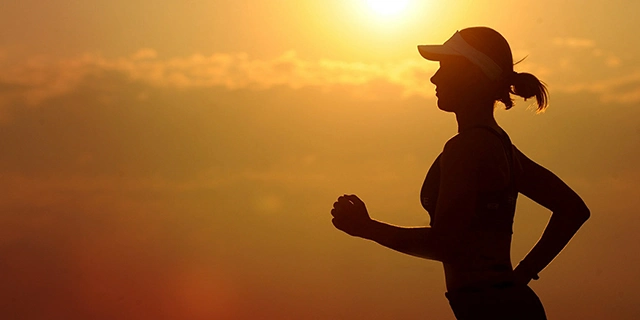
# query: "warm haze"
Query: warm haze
178,159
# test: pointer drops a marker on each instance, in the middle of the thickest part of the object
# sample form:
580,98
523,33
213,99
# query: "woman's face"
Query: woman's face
460,84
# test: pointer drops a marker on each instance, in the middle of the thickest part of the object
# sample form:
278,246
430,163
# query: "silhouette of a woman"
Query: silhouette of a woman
470,190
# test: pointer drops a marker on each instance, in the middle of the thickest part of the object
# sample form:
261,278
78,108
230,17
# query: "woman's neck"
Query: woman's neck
474,117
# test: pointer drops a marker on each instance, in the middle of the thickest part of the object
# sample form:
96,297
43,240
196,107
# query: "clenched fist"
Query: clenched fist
350,215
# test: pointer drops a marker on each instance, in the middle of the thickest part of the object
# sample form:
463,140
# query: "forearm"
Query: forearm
561,228
417,241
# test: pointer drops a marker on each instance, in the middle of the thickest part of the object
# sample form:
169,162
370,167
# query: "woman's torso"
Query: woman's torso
487,260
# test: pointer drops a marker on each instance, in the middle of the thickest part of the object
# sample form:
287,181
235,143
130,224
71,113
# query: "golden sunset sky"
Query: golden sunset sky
179,159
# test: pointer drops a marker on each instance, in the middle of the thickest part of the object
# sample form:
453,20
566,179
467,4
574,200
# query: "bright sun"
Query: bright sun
388,7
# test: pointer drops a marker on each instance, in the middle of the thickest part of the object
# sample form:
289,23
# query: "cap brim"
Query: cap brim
436,52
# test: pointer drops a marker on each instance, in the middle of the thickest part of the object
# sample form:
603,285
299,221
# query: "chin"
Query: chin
444,106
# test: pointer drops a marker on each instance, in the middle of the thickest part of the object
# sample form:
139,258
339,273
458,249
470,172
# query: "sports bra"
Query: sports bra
495,210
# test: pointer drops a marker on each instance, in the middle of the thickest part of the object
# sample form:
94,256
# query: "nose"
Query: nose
435,78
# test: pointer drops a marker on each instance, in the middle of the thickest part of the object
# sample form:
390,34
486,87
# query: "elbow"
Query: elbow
579,212
582,212
575,211
585,214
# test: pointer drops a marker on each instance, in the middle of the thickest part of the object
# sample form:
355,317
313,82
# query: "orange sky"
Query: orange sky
178,159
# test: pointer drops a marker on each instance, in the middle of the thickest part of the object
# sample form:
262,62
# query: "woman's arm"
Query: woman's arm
569,212
417,242
351,216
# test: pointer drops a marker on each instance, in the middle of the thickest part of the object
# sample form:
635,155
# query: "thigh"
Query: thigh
518,302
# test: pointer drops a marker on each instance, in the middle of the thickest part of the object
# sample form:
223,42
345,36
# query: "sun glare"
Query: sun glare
388,7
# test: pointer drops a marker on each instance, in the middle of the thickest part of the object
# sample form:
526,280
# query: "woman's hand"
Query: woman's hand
350,215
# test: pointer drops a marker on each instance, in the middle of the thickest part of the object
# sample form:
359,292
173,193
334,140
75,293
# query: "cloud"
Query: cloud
36,79
580,57
578,66
613,61
574,42
623,89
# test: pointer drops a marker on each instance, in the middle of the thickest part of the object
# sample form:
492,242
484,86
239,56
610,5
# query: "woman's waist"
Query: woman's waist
478,275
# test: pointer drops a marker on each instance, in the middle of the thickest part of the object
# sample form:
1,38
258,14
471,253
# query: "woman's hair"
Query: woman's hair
496,47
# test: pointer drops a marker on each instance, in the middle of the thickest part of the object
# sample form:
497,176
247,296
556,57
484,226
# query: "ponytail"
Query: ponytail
527,86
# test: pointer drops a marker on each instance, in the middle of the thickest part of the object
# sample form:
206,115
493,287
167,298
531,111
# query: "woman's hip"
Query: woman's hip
499,301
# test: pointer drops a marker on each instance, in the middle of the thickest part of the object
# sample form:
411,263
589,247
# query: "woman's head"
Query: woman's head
476,63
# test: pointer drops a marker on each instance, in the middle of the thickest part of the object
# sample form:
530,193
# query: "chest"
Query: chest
495,201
